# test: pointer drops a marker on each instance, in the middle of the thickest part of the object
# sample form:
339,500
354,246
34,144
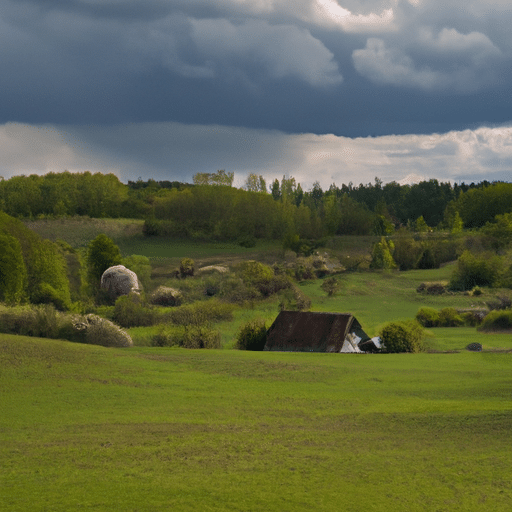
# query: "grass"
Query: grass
143,429
84,427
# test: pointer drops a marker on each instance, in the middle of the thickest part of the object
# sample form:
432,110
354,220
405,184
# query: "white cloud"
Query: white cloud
331,14
279,50
448,60
392,66
475,46
173,151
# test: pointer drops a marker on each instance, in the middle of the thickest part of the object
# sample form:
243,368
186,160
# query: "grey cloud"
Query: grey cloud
447,60
280,50
301,68
386,65
174,151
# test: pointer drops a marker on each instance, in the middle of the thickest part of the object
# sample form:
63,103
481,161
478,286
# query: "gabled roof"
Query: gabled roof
296,331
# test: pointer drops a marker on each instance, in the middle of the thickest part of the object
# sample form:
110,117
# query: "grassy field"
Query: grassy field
147,429
89,428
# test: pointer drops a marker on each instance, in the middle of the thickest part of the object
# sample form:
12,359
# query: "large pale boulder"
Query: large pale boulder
119,280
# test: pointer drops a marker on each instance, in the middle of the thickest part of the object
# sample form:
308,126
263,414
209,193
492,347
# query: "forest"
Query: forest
416,225
211,208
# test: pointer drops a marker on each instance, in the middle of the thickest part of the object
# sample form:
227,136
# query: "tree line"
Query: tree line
211,207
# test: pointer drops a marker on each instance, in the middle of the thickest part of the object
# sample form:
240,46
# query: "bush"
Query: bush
233,289
47,294
130,312
473,318
497,321
255,273
407,250
168,336
102,253
41,321
199,313
304,270
330,286
247,241
252,335
294,299
433,288
474,271
405,336
94,330
141,266
201,337
13,273
449,317
187,267
382,255
165,296
46,322
501,302
428,317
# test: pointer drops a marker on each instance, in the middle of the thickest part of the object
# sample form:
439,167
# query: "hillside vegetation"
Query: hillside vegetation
157,426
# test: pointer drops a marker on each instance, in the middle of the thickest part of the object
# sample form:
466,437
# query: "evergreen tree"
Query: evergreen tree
102,253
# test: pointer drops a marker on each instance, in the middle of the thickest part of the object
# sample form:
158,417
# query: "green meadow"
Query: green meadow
84,427
144,429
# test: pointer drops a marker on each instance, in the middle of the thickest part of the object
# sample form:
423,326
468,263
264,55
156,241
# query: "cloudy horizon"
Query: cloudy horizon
334,91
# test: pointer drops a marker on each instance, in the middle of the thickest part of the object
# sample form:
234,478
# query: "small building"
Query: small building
297,331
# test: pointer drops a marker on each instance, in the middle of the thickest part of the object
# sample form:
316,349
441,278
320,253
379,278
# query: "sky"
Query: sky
334,91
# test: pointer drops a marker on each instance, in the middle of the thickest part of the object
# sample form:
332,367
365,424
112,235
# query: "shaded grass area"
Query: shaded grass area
157,429
127,234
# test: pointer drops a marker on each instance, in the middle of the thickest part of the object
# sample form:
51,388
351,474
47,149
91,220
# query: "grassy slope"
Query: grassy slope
84,427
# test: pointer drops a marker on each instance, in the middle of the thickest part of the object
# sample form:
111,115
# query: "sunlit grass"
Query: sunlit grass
161,429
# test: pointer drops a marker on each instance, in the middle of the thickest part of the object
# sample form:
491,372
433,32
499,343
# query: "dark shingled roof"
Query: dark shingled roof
296,331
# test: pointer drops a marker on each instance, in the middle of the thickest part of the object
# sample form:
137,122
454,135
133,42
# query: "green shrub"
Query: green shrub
433,288
212,285
275,285
233,289
247,241
331,285
102,253
449,317
47,294
42,321
201,337
304,269
497,321
141,266
169,336
165,296
428,258
472,318
129,311
428,317
252,335
407,250
13,273
294,299
199,313
46,322
382,255
94,330
187,267
499,303
255,273
474,271
405,336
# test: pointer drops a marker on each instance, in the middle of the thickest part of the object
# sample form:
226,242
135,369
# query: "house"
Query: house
297,331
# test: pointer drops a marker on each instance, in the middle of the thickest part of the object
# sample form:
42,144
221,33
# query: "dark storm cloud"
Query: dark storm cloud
349,67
